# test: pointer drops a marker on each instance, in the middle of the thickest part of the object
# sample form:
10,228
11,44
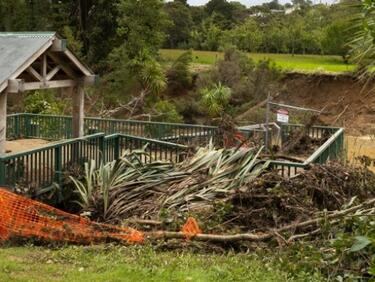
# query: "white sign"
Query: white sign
282,116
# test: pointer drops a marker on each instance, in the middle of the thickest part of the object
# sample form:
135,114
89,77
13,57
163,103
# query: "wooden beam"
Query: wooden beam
53,72
15,85
66,68
3,121
78,64
78,111
29,61
49,84
59,45
44,66
90,80
34,73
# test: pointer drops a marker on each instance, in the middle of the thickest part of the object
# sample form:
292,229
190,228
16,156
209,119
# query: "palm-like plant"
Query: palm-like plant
215,99
133,187
363,43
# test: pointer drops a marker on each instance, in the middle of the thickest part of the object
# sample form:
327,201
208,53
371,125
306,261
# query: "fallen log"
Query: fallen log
261,236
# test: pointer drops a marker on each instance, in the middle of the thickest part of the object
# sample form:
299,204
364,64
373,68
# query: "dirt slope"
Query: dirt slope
348,102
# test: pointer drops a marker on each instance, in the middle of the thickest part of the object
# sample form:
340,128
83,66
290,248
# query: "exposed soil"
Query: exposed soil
21,145
358,147
347,101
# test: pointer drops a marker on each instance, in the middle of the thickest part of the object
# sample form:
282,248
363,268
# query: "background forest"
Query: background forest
121,41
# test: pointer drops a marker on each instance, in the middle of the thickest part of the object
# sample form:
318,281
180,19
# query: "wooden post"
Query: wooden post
3,121
78,111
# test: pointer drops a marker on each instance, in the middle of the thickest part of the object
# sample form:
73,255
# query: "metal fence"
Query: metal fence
47,165
330,150
117,144
43,166
53,127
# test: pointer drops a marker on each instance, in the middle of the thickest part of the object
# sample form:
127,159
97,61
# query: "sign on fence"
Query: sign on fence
282,115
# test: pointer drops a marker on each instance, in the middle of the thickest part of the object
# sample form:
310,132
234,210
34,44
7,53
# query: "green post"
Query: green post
27,125
17,134
341,145
116,154
58,165
2,172
102,147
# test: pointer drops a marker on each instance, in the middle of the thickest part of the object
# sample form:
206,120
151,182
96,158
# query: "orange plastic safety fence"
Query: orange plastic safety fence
237,139
25,218
191,228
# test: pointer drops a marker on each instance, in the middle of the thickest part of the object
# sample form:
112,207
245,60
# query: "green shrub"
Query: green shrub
179,75
43,102
248,80
166,112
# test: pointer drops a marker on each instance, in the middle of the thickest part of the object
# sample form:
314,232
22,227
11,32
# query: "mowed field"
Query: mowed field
136,263
288,62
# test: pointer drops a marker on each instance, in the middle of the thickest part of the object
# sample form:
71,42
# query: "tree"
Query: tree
140,28
295,33
20,15
336,38
239,12
13,15
246,37
100,33
363,43
179,31
222,10
273,5
179,76
275,37
207,36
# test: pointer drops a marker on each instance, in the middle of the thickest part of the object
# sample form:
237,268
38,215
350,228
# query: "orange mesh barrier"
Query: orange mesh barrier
24,218
191,228
236,139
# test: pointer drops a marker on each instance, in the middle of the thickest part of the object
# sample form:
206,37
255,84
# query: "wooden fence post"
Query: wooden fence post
3,121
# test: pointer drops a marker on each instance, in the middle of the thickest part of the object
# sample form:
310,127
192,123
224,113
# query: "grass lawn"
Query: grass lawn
135,263
300,63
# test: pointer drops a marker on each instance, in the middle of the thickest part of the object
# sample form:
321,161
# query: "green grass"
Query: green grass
299,63
136,263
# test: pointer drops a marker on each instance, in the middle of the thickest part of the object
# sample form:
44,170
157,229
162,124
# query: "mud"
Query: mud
347,102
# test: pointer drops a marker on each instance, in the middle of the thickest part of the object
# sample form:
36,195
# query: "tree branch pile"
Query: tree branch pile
229,191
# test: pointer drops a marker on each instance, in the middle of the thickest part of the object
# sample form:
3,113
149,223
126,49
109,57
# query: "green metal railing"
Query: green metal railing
173,132
318,132
117,144
47,127
53,127
330,150
44,166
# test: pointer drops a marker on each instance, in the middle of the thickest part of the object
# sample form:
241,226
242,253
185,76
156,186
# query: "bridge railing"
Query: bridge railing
330,150
117,144
52,127
47,165
122,137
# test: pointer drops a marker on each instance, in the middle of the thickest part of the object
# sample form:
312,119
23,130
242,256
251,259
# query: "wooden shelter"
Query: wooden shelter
40,60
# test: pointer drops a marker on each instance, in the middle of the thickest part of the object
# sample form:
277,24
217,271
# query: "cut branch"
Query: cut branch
262,236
